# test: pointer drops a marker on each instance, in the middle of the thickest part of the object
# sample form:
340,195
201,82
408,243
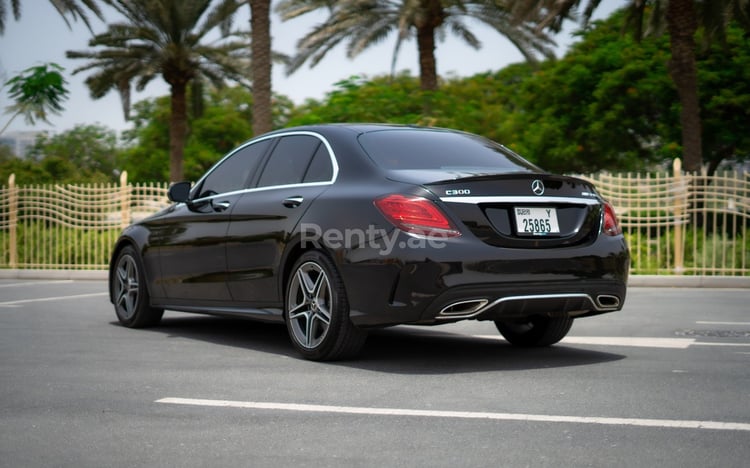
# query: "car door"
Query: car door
191,240
298,170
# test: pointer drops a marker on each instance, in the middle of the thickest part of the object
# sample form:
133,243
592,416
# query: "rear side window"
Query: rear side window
320,169
234,172
293,158
406,149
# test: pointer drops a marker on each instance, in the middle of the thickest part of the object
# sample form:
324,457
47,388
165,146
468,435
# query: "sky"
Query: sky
41,36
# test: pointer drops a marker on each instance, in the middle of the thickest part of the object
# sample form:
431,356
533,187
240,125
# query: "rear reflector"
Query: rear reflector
416,215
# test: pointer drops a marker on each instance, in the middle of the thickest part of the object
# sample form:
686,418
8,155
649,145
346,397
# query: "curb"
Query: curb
636,281
658,281
54,274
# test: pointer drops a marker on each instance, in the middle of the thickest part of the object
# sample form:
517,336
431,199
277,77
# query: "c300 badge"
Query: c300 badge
458,192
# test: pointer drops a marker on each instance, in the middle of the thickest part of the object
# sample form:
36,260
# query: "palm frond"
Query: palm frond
77,11
172,39
15,6
361,24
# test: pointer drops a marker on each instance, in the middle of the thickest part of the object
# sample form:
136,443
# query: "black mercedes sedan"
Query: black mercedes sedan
337,229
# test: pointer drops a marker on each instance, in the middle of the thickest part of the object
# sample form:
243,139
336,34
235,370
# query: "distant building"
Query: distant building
19,142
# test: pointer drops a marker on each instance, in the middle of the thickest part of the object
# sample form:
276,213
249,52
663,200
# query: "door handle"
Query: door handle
220,206
293,202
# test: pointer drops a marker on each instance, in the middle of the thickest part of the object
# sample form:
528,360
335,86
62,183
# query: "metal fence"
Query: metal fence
678,223
675,223
70,226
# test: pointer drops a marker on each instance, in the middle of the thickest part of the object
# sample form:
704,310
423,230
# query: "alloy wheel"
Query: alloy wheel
126,287
309,305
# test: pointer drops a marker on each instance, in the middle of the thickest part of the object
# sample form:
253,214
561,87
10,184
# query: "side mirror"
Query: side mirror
179,192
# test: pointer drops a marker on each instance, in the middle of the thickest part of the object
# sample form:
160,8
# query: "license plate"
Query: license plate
536,221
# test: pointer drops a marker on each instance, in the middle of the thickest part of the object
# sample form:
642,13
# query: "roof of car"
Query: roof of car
357,128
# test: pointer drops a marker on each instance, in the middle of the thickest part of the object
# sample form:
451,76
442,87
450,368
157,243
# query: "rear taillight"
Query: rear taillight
416,215
611,225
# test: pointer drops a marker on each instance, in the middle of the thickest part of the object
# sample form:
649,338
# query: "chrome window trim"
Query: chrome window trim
260,189
320,137
516,200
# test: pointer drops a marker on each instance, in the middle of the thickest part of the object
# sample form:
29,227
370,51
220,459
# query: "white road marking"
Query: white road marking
669,343
34,283
49,299
701,322
639,342
708,343
633,341
660,423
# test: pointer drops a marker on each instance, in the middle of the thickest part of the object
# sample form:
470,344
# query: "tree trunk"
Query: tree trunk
177,130
682,22
260,26
427,65
430,17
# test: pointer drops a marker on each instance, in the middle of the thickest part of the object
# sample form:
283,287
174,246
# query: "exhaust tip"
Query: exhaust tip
463,308
606,301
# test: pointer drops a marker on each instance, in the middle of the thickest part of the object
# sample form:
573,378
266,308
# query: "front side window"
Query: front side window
234,172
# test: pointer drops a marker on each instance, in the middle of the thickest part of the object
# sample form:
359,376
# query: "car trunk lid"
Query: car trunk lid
523,210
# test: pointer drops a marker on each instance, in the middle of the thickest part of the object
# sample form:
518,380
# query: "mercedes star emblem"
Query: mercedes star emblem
537,187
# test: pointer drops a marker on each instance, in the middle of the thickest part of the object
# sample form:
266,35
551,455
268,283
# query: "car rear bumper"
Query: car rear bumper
470,281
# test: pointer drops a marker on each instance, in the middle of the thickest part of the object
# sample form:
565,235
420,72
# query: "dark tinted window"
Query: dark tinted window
320,169
434,149
289,161
233,173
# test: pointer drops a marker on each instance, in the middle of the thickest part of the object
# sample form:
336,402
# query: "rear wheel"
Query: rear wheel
317,311
535,331
130,294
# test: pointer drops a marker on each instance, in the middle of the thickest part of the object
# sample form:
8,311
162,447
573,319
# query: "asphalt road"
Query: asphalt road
665,382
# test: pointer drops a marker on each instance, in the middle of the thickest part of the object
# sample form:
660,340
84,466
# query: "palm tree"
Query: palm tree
260,29
171,39
364,23
66,8
682,19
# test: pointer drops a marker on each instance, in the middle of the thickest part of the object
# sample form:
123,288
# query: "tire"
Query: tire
535,331
130,293
316,311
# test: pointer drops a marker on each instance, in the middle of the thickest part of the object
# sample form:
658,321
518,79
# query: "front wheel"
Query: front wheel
535,331
317,311
129,292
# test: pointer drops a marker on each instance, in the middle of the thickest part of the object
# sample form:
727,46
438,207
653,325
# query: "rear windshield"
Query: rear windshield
420,149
